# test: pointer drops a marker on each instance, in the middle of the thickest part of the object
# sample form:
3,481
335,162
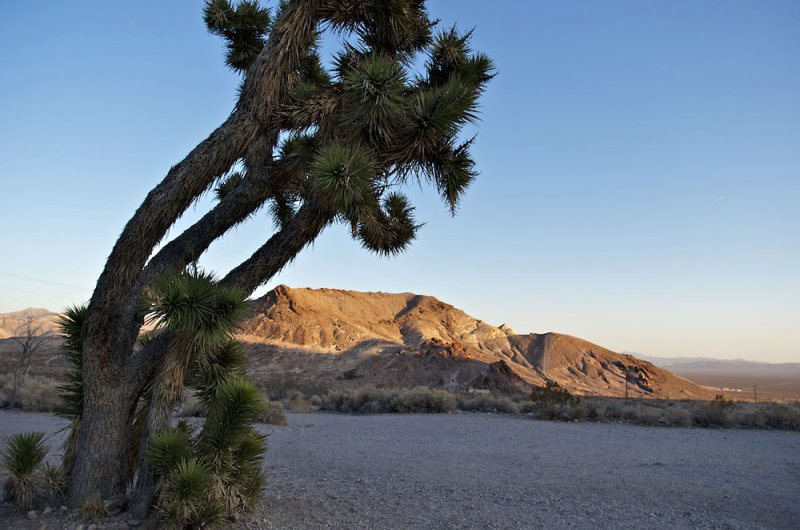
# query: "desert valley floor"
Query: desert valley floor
502,471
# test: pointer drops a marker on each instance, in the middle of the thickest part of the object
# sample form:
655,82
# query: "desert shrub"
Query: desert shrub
365,400
715,413
770,416
298,405
595,410
551,393
20,463
278,389
36,394
422,400
371,400
487,403
577,411
648,415
678,417
273,414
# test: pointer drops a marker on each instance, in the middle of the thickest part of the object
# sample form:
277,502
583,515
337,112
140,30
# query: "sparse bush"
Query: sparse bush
370,400
422,400
36,394
551,393
298,405
678,417
20,462
716,413
487,403
273,414
781,416
578,411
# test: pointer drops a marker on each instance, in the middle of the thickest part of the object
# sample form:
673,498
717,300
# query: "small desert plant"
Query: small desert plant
298,405
53,482
716,413
678,417
552,392
92,509
551,401
423,400
487,403
35,394
23,455
273,414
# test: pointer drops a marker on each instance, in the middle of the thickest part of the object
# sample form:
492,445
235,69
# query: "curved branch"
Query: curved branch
281,248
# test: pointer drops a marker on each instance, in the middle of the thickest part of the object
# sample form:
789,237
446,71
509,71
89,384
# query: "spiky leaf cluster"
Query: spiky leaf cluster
244,26
70,392
355,131
193,307
20,460
215,472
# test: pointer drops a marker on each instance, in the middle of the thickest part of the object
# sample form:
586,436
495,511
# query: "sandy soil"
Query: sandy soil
499,471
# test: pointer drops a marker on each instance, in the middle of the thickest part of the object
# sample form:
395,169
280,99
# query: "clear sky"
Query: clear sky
640,167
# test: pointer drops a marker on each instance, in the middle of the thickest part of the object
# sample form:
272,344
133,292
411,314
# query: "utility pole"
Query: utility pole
755,394
627,372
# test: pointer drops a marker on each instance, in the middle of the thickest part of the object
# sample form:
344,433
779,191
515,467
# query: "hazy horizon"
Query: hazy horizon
639,168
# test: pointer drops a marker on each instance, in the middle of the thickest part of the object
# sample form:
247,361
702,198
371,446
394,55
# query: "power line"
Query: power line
40,280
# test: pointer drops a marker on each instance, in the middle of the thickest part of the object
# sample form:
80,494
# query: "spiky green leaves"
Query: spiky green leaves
70,392
452,170
194,306
375,89
343,175
389,230
244,27
235,407
23,454
451,56
168,449
227,184
21,458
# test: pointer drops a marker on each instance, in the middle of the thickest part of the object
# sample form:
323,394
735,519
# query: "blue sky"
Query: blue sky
640,167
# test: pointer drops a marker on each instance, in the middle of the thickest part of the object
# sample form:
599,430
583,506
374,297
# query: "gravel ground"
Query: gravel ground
499,471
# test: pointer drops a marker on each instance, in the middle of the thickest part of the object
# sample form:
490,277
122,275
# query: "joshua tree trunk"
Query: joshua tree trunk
104,442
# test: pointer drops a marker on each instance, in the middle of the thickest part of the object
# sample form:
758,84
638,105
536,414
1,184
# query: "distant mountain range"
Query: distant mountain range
775,380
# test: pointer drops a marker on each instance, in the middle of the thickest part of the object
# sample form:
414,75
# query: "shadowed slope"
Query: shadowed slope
346,337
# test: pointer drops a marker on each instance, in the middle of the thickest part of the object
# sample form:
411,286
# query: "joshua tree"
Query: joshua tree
317,144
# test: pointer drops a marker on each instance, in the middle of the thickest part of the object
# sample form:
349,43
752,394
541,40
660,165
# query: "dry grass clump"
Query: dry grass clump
37,393
486,402
371,400
272,414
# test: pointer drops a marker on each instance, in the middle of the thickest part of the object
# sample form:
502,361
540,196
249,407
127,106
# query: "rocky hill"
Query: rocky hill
333,337
13,324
